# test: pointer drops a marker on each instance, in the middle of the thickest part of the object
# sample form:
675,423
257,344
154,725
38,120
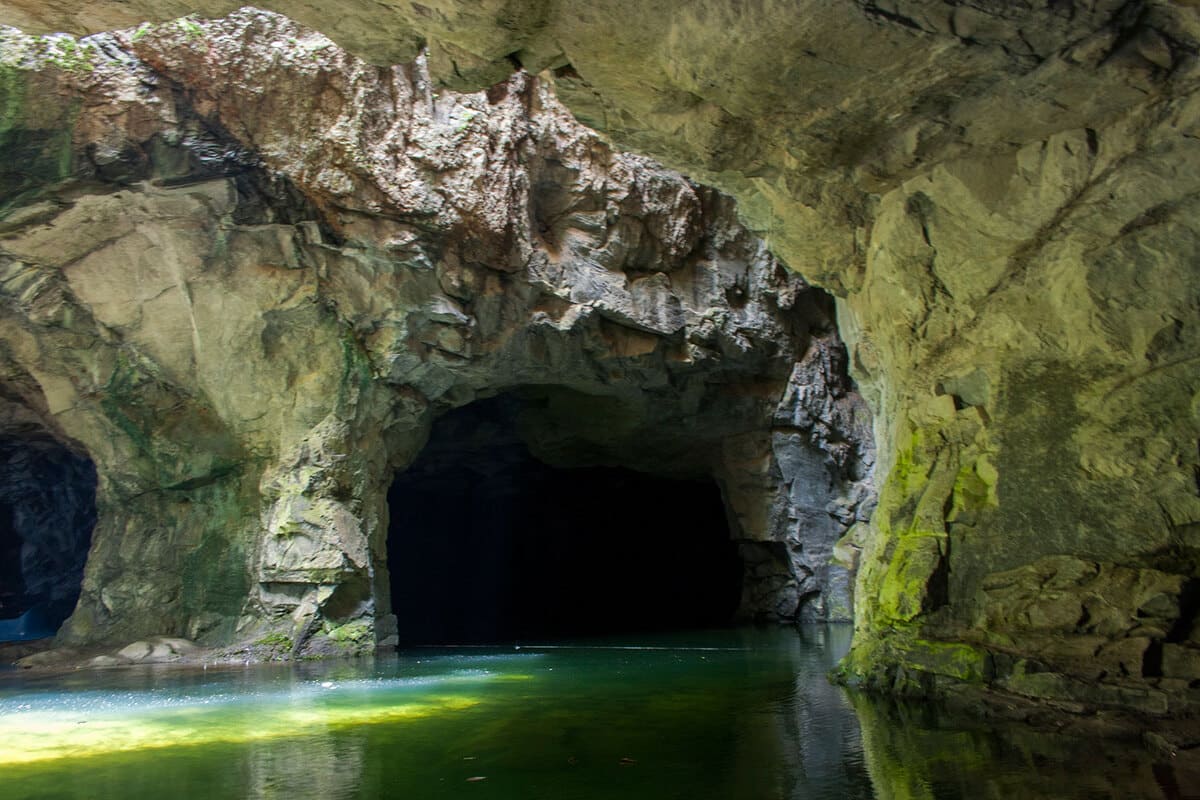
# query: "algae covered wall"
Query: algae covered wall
1002,198
1041,500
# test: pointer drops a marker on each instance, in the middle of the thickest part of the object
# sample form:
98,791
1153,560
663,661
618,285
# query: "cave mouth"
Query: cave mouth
488,544
47,514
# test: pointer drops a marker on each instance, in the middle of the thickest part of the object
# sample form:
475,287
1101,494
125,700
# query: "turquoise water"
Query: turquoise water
717,715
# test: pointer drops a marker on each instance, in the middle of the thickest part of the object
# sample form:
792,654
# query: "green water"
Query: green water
717,715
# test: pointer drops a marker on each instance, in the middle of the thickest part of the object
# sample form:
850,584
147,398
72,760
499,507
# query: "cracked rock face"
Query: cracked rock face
246,271
1002,196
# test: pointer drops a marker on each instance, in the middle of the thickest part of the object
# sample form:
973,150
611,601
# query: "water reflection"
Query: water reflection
819,743
744,714
316,766
912,752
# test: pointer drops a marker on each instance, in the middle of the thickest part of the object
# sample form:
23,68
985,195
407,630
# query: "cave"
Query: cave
488,543
965,245
495,323
280,356
47,513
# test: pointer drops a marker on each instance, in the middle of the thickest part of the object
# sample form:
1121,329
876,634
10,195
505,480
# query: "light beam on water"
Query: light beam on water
43,726
730,715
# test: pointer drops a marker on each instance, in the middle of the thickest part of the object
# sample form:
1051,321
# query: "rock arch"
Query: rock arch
252,329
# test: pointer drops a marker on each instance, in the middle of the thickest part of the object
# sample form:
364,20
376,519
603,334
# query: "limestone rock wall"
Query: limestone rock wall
1043,431
245,271
1000,194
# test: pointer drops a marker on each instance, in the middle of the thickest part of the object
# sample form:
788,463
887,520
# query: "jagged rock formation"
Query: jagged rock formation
1002,195
245,271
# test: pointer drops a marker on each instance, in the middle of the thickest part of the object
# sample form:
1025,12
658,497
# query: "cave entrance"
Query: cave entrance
489,544
47,513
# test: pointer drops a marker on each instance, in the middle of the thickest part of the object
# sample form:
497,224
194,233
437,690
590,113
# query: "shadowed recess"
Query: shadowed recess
489,544
47,512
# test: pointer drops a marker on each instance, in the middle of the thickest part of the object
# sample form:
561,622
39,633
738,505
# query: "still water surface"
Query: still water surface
744,714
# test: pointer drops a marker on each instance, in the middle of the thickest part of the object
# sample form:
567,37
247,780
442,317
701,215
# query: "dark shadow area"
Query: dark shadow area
47,513
488,544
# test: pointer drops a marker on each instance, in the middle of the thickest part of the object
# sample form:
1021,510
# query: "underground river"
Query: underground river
731,714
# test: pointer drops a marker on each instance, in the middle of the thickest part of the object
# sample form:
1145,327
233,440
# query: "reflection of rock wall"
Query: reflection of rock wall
250,327
331,767
911,755
810,735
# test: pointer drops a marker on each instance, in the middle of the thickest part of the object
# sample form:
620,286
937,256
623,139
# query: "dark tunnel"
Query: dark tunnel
47,513
487,544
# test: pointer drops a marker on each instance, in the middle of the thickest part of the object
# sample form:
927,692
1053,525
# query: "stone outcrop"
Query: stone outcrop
1002,197
245,271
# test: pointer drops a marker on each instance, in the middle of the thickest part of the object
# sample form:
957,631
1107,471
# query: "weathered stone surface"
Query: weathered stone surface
250,328
1180,661
156,650
1002,196
782,103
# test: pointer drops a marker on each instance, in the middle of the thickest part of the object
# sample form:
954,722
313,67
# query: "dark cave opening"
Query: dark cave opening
47,513
487,544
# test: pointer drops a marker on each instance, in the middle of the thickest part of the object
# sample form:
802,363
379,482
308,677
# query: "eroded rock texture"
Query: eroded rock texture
246,271
1002,195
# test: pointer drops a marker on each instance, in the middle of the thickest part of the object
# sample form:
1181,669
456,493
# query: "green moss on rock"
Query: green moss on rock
277,639
906,588
352,635
902,662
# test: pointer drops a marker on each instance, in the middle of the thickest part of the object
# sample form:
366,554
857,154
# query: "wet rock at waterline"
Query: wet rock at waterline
246,271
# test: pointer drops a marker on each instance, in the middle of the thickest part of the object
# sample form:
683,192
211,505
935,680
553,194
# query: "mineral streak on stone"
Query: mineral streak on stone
245,271
1003,198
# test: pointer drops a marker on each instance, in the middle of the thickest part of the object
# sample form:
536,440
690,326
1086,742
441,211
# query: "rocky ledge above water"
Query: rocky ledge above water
244,271
1003,197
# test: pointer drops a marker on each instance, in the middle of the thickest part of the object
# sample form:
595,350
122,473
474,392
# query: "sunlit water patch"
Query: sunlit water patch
728,715
43,726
